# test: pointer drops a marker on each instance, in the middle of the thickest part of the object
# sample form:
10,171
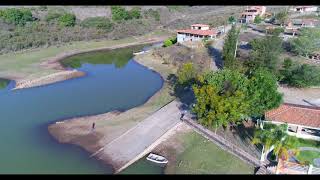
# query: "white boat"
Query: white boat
137,53
157,158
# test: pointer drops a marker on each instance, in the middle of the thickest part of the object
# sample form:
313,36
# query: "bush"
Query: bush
119,13
16,16
67,20
97,22
257,20
167,43
135,13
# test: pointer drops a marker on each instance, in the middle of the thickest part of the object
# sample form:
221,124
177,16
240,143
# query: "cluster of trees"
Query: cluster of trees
257,20
120,13
16,16
170,42
299,75
307,42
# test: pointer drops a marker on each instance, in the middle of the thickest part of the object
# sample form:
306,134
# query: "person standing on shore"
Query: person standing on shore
93,126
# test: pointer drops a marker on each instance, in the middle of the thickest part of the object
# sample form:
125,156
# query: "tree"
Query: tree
135,13
167,43
308,41
276,136
16,16
265,53
257,20
221,99
231,19
304,75
263,93
281,17
285,72
119,13
67,20
187,74
230,47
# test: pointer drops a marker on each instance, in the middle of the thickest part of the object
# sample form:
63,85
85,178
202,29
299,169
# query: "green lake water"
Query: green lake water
113,81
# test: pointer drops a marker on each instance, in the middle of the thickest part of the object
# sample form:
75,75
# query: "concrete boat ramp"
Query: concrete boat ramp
136,142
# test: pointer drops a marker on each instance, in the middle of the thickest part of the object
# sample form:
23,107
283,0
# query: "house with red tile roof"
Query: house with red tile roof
196,32
303,121
250,13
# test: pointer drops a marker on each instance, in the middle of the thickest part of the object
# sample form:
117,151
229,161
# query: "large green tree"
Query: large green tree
230,47
221,100
265,53
308,41
187,74
263,92
16,16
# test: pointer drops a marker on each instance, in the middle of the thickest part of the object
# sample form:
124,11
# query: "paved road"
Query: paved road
129,145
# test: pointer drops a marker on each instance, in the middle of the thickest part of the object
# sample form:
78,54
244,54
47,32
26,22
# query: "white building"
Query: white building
303,121
305,9
196,32
250,13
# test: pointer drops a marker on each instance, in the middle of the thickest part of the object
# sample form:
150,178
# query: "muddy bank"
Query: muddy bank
78,131
52,78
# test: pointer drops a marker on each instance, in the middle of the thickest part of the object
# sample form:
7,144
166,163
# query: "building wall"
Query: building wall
200,27
184,37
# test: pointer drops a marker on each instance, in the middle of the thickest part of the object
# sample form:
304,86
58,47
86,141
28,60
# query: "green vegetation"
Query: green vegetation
201,156
16,16
67,19
229,48
265,53
231,19
221,98
257,20
4,83
276,31
277,136
51,16
308,143
170,42
308,42
299,75
175,8
120,13
97,22
187,74
307,157
263,93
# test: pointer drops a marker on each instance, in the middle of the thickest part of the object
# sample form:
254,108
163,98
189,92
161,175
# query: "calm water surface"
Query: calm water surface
113,81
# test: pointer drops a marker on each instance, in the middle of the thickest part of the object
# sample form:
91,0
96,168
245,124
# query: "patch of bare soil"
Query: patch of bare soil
79,131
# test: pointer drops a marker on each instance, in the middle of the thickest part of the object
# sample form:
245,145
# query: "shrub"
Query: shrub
153,13
16,16
167,43
67,20
97,22
257,20
135,13
119,13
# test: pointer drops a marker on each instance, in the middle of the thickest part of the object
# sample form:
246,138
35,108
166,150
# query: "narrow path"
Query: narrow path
129,145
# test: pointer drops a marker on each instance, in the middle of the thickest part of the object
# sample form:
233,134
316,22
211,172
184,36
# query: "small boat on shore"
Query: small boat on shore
141,52
157,158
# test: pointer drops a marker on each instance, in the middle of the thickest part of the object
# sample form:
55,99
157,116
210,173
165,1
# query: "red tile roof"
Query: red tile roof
198,32
202,25
295,114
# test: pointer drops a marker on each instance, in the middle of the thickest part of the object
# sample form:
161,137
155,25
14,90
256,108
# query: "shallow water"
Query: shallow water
111,83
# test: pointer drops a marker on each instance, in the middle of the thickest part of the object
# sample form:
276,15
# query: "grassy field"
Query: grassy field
201,156
308,156
26,64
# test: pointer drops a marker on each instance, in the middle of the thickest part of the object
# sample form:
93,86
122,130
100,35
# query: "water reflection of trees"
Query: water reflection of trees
119,57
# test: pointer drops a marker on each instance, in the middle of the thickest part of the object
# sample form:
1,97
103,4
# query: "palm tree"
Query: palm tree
277,137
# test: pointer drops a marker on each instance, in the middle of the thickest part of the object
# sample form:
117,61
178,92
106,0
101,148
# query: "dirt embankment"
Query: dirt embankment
52,78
